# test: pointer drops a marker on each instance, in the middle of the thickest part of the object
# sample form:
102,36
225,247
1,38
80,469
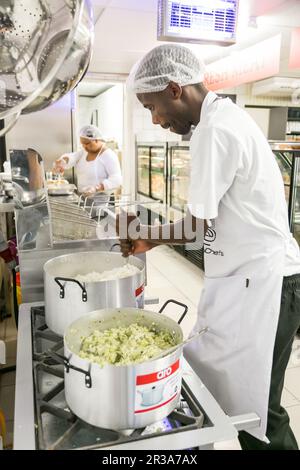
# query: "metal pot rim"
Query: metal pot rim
91,317
69,257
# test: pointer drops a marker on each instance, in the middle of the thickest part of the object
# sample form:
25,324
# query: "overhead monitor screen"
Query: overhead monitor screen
198,21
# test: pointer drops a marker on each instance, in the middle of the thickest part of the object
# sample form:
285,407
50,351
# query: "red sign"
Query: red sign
294,62
243,66
156,376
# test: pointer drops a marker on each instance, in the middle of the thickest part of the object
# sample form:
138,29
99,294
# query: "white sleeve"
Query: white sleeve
113,169
216,157
73,159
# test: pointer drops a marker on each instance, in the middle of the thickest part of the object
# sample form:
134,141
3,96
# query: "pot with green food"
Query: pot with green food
79,283
112,377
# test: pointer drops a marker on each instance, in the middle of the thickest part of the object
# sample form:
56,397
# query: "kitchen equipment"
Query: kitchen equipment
180,345
46,422
67,299
45,51
110,397
8,189
70,221
65,190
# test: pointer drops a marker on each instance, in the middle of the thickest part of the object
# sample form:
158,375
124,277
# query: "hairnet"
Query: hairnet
91,132
163,64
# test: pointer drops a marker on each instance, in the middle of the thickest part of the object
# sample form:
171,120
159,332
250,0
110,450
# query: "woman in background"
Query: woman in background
97,167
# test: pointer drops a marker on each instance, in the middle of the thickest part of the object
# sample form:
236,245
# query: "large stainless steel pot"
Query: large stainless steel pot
66,299
121,397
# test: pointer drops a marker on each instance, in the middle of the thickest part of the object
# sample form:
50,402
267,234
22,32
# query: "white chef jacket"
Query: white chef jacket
105,169
236,183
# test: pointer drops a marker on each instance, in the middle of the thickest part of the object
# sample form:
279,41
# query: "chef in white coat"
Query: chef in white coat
251,295
97,167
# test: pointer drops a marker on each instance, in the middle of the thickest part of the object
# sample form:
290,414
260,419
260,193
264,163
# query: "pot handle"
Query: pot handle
66,362
62,288
177,303
113,246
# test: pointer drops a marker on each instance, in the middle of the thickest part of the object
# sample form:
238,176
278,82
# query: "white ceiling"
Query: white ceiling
92,88
126,29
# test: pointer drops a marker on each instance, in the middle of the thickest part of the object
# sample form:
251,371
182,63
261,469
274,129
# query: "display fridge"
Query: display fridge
163,172
179,164
163,175
288,158
152,170
179,171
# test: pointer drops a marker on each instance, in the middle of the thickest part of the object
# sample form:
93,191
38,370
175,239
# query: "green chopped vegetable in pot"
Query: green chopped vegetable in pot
125,345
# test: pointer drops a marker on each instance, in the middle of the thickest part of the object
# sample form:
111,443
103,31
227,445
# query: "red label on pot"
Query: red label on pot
139,297
157,389
156,376
139,291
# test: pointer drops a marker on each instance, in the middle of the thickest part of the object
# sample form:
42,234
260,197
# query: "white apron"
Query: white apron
234,359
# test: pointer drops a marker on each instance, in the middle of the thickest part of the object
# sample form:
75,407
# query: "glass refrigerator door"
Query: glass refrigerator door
285,165
158,185
291,180
180,176
143,170
295,211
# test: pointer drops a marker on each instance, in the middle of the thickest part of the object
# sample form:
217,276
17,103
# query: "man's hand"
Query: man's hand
135,247
100,187
127,227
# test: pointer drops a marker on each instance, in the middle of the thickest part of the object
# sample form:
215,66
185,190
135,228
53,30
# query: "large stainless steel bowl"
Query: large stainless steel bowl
45,49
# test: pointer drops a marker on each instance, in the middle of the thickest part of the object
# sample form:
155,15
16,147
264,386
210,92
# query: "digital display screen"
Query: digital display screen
211,21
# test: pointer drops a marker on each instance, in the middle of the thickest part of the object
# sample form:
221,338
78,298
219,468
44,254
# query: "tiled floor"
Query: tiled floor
172,276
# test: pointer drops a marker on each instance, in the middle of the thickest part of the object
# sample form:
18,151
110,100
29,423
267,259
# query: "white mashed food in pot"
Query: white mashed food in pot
116,273
125,345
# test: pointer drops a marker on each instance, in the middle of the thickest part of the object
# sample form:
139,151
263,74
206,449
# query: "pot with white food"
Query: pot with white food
79,283
121,389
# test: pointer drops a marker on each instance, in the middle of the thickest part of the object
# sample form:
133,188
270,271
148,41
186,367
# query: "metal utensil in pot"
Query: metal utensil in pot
165,352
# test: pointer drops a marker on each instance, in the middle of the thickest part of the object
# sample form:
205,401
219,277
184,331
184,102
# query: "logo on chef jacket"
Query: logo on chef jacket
209,238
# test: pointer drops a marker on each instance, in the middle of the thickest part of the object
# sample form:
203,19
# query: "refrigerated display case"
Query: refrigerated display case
163,175
157,173
179,176
143,165
151,164
179,162
287,155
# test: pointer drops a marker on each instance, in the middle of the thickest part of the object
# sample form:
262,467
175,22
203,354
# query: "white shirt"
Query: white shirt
105,169
236,183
